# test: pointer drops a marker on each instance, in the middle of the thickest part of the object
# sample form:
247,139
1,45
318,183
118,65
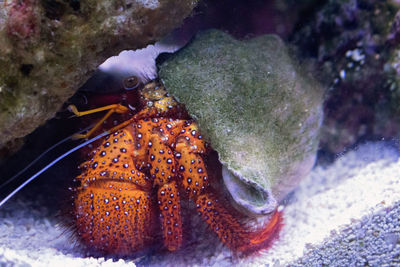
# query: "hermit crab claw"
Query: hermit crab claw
251,198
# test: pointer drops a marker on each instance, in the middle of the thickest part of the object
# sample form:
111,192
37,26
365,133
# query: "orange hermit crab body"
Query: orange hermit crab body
137,176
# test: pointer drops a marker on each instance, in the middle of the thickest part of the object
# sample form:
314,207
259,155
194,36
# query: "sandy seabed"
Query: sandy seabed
346,213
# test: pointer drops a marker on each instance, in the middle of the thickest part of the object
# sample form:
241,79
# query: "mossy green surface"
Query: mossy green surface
252,103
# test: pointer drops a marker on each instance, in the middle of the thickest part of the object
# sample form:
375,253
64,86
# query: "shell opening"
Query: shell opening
249,197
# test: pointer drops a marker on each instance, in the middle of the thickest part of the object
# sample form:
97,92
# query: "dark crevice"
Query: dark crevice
53,9
26,69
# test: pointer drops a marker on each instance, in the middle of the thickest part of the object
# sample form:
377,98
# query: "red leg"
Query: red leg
192,170
113,208
162,171
171,221
190,165
114,217
113,159
235,235
228,229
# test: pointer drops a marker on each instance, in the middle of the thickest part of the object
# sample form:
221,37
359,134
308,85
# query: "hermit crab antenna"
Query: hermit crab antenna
41,156
50,165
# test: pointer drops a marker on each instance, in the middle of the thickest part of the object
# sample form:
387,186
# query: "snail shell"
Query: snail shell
256,107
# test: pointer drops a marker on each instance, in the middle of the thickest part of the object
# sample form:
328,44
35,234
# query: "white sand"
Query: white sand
353,193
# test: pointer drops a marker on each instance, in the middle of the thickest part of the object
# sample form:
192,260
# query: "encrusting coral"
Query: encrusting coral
48,49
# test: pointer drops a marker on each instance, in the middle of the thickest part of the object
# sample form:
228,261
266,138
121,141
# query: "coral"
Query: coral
257,109
50,48
354,48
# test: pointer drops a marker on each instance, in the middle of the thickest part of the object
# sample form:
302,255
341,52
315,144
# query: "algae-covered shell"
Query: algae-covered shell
255,106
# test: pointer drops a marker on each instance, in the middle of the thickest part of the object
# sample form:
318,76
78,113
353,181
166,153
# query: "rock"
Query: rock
355,48
255,106
50,48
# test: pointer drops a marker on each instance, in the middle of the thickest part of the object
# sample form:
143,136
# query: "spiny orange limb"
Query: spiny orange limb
114,217
239,238
192,170
161,160
171,221
162,170
191,167
113,159
228,229
114,211
264,237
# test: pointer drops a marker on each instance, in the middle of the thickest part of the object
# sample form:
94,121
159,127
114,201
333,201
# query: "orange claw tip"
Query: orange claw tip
263,238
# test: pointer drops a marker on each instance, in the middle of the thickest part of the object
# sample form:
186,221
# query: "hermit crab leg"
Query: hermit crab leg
118,207
233,234
162,170
227,228
113,204
118,108
191,168
171,220
115,108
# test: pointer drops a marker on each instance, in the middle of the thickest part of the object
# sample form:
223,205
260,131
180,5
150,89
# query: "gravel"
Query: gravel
343,214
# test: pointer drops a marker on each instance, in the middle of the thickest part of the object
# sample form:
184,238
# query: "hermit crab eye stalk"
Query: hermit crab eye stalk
131,82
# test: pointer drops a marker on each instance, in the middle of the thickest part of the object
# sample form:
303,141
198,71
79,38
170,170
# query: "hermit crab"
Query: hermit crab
257,109
134,181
